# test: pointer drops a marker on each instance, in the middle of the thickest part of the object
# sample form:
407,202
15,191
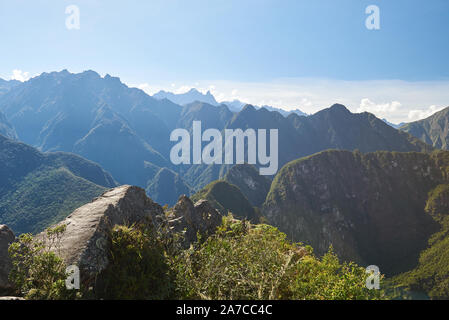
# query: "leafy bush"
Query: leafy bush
38,272
242,261
138,267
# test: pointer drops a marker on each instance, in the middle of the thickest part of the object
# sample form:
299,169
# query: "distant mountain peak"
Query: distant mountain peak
90,73
433,130
396,126
248,108
339,107
187,97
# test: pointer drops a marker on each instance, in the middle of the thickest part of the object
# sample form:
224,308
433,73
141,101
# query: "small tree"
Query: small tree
138,267
37,271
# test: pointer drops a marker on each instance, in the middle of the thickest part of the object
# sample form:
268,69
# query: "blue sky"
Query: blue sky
219,44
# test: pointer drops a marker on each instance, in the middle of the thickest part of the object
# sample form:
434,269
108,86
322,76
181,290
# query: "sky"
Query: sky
287,53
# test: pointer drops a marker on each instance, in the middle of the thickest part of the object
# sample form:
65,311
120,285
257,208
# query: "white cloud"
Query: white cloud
182,89
382,110
148,89
20,75
414,115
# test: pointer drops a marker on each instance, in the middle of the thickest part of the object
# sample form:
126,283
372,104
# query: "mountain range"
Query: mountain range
376,194
127,131
193,95
190,96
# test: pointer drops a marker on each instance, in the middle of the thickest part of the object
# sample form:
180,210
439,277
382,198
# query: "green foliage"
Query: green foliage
40,189
242,261
138,267
38,272
329,279
382,195
432,273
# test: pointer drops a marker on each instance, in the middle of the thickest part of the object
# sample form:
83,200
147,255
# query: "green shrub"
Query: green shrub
138,267
38,272
242,261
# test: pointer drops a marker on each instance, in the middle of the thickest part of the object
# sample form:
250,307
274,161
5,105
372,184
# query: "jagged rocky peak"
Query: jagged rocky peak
6,238
193,218
248,108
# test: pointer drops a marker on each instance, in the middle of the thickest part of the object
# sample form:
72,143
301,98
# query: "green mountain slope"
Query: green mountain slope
38,189
432,273
254,186
370,207
433,130
226,198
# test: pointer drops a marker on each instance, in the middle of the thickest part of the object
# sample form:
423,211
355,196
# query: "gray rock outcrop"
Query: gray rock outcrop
200,217
84,243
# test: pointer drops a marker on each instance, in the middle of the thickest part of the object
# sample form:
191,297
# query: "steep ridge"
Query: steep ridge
6,85
433,130
6,128
254,186
227,198
431,274
369,207
166,187
215,117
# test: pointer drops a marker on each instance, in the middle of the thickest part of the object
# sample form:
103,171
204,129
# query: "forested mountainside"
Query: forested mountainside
370,207
38,189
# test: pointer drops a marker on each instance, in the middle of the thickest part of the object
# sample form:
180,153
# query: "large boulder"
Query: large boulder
84,243
6,238
200,217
